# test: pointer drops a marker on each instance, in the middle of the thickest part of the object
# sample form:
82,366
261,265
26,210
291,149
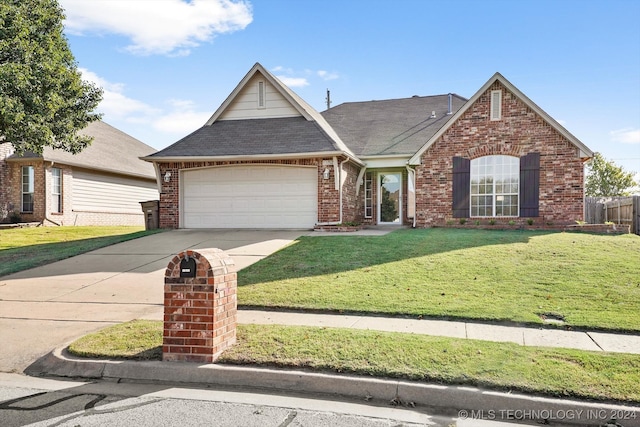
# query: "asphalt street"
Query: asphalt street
44,402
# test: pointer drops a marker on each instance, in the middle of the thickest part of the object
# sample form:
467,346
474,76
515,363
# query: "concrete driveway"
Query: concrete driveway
49,306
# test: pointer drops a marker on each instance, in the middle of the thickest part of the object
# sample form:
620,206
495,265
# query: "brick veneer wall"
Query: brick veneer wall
328,196
200,313
519,132
352,204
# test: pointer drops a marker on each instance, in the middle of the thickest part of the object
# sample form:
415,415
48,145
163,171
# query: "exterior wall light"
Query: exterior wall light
325,174
167,176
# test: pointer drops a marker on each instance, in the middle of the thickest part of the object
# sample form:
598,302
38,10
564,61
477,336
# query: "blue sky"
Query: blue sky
166,65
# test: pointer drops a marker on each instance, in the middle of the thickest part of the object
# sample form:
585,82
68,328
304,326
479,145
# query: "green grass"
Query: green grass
24,248
593,281
502,366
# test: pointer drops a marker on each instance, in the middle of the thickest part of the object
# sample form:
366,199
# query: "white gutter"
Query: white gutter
412,173
317,154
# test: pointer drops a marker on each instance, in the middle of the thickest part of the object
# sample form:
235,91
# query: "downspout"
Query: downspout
412,173
342,177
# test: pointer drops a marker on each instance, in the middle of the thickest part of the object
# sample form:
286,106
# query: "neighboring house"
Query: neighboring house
102,185
267,159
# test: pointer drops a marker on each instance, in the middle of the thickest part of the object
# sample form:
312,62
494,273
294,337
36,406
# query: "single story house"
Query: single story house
267,159
102,185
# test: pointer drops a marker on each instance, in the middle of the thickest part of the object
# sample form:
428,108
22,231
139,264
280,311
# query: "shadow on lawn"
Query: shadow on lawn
23,258
312,256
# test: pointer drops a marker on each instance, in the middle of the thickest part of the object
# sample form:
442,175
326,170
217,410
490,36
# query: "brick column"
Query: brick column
199,312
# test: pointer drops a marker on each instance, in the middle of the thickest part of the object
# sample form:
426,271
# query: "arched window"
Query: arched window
495,186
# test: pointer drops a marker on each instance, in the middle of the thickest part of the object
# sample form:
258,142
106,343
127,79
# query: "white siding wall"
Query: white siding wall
245,105
93,192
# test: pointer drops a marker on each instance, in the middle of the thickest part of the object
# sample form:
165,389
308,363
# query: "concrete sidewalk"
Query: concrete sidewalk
528,336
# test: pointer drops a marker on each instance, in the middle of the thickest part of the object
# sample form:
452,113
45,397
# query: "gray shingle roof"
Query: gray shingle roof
111,151
290,135
394,126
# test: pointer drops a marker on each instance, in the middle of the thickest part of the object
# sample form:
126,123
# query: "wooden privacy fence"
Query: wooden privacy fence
620,210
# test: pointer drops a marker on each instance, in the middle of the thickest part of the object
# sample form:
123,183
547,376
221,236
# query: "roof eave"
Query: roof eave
316,154
79,165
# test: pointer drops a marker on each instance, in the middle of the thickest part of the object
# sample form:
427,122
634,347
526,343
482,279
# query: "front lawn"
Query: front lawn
24,248
502,366
589,281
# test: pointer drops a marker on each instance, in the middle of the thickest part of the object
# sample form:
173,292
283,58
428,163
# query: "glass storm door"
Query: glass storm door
390,198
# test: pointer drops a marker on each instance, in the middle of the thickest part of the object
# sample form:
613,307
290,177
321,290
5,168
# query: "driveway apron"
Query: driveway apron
46,307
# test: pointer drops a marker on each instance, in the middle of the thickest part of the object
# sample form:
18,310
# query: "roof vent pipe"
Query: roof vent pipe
449,110
433,114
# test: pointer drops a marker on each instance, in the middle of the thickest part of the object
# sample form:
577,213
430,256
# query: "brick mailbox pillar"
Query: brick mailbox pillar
200,306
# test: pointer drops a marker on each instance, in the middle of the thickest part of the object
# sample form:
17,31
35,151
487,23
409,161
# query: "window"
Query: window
261,95
27,188
56,190
496,104
368,195
495,186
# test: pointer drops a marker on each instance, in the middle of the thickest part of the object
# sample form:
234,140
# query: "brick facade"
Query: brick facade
200,313
520,131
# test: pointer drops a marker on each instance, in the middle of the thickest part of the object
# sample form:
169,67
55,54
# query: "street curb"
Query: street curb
455,401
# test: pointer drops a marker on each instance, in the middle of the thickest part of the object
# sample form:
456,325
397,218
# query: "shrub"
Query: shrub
14,217
463,221
530,221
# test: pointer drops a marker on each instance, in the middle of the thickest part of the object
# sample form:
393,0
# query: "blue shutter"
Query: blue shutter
529,185
461,187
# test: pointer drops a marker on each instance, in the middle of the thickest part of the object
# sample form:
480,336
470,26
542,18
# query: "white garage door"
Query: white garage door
250,197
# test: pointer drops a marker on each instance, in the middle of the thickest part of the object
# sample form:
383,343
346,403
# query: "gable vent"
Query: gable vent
261,95
496,104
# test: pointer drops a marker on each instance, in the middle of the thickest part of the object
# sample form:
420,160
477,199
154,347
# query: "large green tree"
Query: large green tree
43,99
606,179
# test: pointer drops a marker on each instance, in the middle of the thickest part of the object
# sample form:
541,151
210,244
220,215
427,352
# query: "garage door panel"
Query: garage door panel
250,197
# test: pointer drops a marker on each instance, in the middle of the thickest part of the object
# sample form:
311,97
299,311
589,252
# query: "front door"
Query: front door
390,200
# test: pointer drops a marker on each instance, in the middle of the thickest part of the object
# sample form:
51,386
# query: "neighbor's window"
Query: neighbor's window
27,188
495,182
56,190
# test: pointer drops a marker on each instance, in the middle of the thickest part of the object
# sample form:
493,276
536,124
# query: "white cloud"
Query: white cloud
325,75
289,76
115,104
183,119
169,27
626,136
293,81
180,117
